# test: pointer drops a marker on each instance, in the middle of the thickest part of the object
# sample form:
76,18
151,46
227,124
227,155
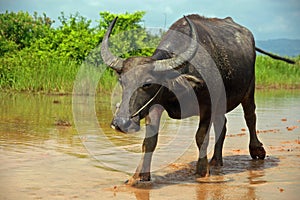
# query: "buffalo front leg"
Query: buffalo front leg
143,170
150,141
202,139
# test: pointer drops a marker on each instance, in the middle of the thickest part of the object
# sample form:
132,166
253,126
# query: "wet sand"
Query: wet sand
57,166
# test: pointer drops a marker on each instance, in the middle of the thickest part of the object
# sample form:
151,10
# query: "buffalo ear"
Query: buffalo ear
193,80
185,81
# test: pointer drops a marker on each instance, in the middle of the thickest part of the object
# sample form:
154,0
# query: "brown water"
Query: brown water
43,156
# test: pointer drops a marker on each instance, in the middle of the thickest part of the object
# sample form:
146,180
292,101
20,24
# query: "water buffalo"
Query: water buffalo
184,62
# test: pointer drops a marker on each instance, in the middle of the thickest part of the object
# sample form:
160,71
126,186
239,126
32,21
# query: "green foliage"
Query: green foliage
137,42
20,30
74,39
125,25
34,56
125,21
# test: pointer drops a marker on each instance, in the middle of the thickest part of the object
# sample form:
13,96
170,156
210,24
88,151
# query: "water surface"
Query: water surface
44,157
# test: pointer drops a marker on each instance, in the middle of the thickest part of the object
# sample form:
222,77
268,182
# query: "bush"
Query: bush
20,30
34,56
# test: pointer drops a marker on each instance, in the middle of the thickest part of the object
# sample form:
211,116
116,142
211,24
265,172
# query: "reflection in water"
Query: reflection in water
142,194
29,122
256,177
41,158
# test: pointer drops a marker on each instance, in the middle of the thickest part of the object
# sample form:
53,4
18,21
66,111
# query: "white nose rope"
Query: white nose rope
144,106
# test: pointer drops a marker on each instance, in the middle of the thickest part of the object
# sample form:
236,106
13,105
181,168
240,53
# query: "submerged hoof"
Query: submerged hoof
257,152
202,168
203,172
139,183
216,162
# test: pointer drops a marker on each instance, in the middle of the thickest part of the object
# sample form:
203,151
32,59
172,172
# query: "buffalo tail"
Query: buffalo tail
275,56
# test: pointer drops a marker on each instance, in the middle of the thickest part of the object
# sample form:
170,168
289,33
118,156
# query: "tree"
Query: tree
20,30
132,39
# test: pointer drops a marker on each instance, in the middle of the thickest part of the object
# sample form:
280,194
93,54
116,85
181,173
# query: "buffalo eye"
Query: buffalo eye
147,85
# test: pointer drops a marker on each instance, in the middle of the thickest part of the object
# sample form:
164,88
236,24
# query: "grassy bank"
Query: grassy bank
50,75
29,73
276,74
55,75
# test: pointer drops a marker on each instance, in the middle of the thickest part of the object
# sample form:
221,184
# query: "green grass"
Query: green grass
272,73
49,74
26,72
46,74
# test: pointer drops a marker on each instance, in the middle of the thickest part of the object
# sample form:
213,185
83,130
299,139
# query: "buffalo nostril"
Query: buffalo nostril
114,124
119,123
125,125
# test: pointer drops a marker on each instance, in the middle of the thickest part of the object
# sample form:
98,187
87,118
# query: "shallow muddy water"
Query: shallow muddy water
44,156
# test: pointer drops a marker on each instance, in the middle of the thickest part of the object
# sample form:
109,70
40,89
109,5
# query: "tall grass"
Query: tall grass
47,74
33,73
272,73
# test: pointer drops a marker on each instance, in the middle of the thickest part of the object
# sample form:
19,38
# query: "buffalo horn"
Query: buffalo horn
114,62
175,62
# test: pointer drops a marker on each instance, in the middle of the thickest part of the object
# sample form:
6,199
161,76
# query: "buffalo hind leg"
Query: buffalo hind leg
255,147
202,139
220,132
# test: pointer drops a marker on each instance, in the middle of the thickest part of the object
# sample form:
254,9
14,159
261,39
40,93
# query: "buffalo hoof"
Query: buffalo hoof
202,168
216,162
139,183
257,152
202,175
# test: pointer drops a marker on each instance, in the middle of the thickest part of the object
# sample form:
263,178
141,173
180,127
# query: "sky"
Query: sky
267,19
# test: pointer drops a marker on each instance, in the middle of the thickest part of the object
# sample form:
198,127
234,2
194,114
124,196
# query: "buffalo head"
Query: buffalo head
142,80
